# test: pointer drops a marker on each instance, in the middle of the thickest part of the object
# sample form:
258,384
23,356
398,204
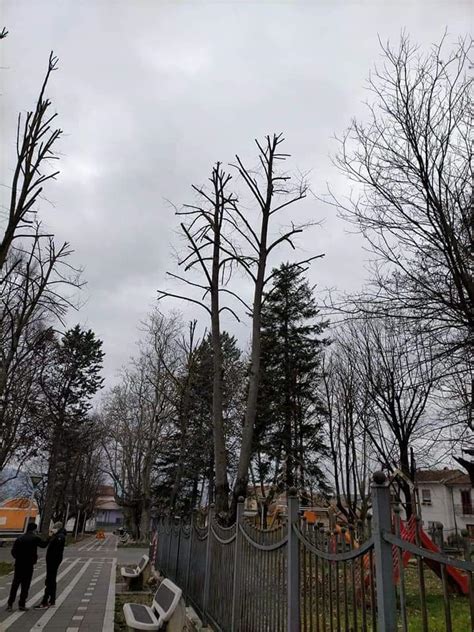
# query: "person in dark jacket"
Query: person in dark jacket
25,552
54,557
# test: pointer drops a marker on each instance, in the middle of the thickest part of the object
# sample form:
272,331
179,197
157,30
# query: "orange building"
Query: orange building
14,513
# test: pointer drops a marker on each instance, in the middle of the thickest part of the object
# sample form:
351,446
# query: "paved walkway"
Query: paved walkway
85,598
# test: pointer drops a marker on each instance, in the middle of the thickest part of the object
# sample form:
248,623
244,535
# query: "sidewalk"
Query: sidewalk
86,592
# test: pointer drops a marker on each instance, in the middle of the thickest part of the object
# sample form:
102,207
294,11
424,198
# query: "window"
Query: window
426,496
466,502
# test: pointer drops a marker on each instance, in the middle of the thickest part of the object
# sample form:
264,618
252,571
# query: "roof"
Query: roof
106,499
462,479
107,505
444,477
18,503
107,490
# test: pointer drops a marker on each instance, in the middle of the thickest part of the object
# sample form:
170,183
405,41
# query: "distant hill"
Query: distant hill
17,486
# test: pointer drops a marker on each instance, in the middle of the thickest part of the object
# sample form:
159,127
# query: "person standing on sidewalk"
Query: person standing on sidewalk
25,552
54,557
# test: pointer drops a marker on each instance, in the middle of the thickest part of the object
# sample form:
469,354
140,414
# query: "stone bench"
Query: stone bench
133,577
165,600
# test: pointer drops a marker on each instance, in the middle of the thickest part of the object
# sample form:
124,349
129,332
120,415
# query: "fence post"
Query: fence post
176,568
207,576
190,552
235,627
170,538
382,522
161,545
293,563
439,535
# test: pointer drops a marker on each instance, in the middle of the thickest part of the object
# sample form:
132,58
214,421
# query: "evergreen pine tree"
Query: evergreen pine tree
289,433
70,378
197,480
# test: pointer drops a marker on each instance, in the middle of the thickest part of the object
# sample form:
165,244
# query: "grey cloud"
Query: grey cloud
151,94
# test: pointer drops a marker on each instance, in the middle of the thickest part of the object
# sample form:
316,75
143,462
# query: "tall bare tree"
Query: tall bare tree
136,421
411,163
34,277
271,191
212,253
36,138
347,405
397,368
220,236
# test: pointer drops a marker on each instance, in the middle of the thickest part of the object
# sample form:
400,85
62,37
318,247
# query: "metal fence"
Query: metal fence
301,576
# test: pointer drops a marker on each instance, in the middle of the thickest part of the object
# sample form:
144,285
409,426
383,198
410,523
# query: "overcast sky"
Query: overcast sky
151,93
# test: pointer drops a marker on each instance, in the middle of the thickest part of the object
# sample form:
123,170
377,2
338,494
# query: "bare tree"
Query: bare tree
399,374
271,191
136,422
220,236
347,406
34,277
32,296
212,253
411,163
35,149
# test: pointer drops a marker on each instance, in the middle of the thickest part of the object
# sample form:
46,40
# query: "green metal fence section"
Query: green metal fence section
303,577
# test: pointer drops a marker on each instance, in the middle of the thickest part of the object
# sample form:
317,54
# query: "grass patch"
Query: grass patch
459,604
120,600
5,568
435,608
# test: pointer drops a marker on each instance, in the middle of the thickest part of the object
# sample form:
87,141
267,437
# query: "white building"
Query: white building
446,497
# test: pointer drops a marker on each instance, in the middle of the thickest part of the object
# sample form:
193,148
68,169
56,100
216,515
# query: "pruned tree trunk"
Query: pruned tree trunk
220,452
50,499
206,231
246,449
263,245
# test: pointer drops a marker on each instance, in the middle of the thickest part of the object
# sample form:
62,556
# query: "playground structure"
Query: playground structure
457,582
341,534
455,579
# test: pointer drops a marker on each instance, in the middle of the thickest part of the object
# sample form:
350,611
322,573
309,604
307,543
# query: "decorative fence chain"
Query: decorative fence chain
303,577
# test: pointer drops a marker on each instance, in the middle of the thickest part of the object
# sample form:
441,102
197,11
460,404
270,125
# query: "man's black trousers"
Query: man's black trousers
49,596
21,577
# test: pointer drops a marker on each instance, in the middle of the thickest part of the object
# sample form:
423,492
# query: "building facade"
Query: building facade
446,496
108,514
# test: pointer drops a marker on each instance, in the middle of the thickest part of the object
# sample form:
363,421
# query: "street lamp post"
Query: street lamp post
35,481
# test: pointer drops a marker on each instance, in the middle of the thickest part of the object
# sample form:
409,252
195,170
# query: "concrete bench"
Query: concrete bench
142,617
133,577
